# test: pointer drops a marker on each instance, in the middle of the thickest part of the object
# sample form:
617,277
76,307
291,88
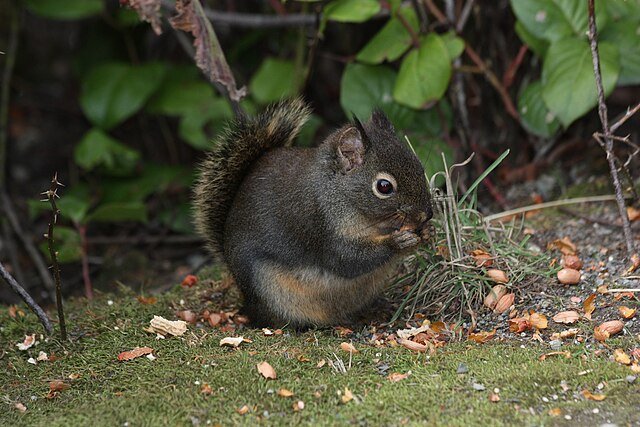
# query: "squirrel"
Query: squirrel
310,234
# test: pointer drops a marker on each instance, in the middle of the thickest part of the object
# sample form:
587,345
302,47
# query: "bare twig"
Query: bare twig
44,319
415,41
52,194
602,111
84,250
31,249
630,112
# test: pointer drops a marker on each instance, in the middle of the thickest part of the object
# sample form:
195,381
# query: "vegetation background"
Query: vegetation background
122,114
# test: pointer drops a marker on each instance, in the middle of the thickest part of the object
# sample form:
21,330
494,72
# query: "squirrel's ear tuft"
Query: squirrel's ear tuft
381,121
350,150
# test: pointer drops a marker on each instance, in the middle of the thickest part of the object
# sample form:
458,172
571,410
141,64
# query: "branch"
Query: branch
52,194
602,111
44,319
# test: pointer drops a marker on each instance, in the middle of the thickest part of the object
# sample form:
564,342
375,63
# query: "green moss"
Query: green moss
167,391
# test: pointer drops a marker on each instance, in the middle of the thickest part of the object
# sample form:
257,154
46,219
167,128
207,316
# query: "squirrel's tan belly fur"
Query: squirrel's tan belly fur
309,294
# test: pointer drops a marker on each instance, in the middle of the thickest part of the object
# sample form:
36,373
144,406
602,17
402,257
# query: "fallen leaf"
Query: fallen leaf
497,276
566,354
29,341
635,263
621,357
564,245
602,289
494,295
187,315
347,396
504,303
206,389
626,312
189,281
148,11
343,332
555,412
243,410
567,317
633,213
412,345
147,300
20,407
538,320
482,258
519,324
162,326
321,363
42,356
231,341
266,370
347,346
589,306
136,352
298,406
283,392
568,333
412,332
597,397
396,376
57,386
482,337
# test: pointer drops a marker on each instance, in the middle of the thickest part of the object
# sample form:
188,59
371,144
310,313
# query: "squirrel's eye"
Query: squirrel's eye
384,186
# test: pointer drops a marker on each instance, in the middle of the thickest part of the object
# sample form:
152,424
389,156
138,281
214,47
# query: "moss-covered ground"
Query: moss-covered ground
194,381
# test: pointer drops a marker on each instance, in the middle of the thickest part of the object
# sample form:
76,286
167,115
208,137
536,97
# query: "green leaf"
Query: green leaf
454,44
424,74
65,9
96,148
66,242
153,179
74,208
365,87
535,115
351,10
275,79
538,46
178,218
113,92
116,212
623,9
554,20
391,41
625,36
569,88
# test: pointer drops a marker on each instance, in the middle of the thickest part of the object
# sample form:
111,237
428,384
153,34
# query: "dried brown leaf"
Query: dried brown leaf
231,341
538,320
566,354
347,396
589,306
148,11
627,312
347,346
483,336
396,376
621,357
519,324
135,353
283,392
564,245
597,397
266,370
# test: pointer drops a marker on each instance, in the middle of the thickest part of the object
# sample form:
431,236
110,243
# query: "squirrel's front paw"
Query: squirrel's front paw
427,233
405,238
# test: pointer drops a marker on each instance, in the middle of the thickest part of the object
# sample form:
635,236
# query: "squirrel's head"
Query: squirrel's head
379,175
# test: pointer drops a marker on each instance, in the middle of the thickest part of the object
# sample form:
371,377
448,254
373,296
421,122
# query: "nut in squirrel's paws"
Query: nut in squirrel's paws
405,238
427,233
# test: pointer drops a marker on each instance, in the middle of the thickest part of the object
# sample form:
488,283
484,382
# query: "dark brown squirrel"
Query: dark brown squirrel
310,234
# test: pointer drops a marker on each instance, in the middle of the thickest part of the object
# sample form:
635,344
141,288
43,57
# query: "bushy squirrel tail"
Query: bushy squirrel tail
244,141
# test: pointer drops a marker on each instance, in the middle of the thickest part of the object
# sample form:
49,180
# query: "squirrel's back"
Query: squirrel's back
244,141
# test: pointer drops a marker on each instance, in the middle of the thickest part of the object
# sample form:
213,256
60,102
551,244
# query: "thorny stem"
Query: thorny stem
44,319
602,111
51,194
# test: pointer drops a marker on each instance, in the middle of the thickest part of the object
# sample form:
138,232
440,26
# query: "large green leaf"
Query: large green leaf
454,44
556,19
351,10
365,87
625,36
153,179
74,208
424,74
538,46
569,88
116,212
96,148
113,92
535,115
623,9
391,41
65,9
275,79
430,151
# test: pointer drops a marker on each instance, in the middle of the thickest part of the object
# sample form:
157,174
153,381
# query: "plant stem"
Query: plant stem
602,111
51,194
44,319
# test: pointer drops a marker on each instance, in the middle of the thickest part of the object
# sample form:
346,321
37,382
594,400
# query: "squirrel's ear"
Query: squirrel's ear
381,121
350,150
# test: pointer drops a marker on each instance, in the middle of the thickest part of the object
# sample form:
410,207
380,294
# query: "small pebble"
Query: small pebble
462,369
630,379
478,387
596,411
555,344
545,400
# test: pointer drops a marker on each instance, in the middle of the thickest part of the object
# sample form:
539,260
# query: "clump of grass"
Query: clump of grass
445,279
